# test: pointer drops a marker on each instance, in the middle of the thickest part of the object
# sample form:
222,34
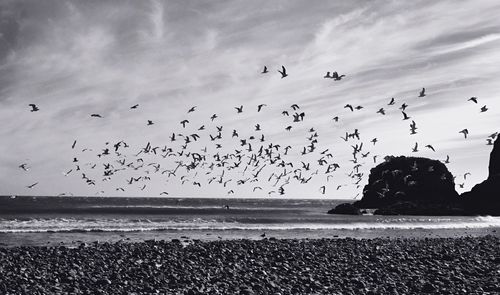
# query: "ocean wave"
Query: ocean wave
69,225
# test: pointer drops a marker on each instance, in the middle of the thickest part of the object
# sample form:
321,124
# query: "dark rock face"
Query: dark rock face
408,179
345,208
484,198
494,167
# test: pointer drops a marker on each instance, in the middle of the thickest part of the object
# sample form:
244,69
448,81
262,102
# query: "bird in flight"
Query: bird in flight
391,102
32,185
430,147
239,109
183,123
483,109
381,111
295,106
96,116
415,148
473,99
465,132
260,106
348,106
405,116
191,109
422,93
327,76
150,122
264,70
413,127
283,72
34,108
24,166
336,76
134,106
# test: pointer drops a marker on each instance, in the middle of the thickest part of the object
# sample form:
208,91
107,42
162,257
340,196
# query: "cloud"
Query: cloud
74,58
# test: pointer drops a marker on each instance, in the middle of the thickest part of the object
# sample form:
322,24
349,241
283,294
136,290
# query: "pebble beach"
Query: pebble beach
464,265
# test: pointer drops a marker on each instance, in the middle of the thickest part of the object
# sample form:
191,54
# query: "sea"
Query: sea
70,221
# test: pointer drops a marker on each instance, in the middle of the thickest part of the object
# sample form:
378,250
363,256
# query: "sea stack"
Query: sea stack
410,186
484,198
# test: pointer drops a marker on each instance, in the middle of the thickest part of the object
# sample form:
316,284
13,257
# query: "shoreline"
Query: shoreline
463,265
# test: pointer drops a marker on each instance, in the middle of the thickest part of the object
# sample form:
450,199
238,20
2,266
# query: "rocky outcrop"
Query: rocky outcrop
345,208
484,198
408,179
410,186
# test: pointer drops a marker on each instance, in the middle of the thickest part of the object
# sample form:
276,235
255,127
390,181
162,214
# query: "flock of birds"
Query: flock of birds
211,155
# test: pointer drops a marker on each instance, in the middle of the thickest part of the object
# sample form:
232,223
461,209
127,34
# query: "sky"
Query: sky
76,58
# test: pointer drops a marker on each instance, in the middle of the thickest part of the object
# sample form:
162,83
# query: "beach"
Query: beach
464,265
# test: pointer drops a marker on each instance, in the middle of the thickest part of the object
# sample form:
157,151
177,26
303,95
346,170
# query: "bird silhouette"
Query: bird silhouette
32,185
415,148
422,93
473,99
134,106
260,106
465,132
413,127
483,109
34,108
264,70
283,72
348,106
381,111
183,123
393,101
96,115
239,109
405,116
192,109
150,122
430,147
327,76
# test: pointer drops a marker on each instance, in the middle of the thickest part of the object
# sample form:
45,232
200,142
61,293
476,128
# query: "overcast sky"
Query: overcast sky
76,58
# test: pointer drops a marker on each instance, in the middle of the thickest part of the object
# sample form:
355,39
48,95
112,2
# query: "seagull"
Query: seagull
239,109
466,174
150,122
336,76
489,141
374,140
295,106
473,99
260,106
322,189
327,76
183,123
430,147
465,132
96,116
422,93
483,109
415,148
24,166
381,111
32,185
214,116
405,116
447,161
191,109
134,106
403,106
348,106
283,72
34,108
336,119
391,102
264,70
73,145
413,127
